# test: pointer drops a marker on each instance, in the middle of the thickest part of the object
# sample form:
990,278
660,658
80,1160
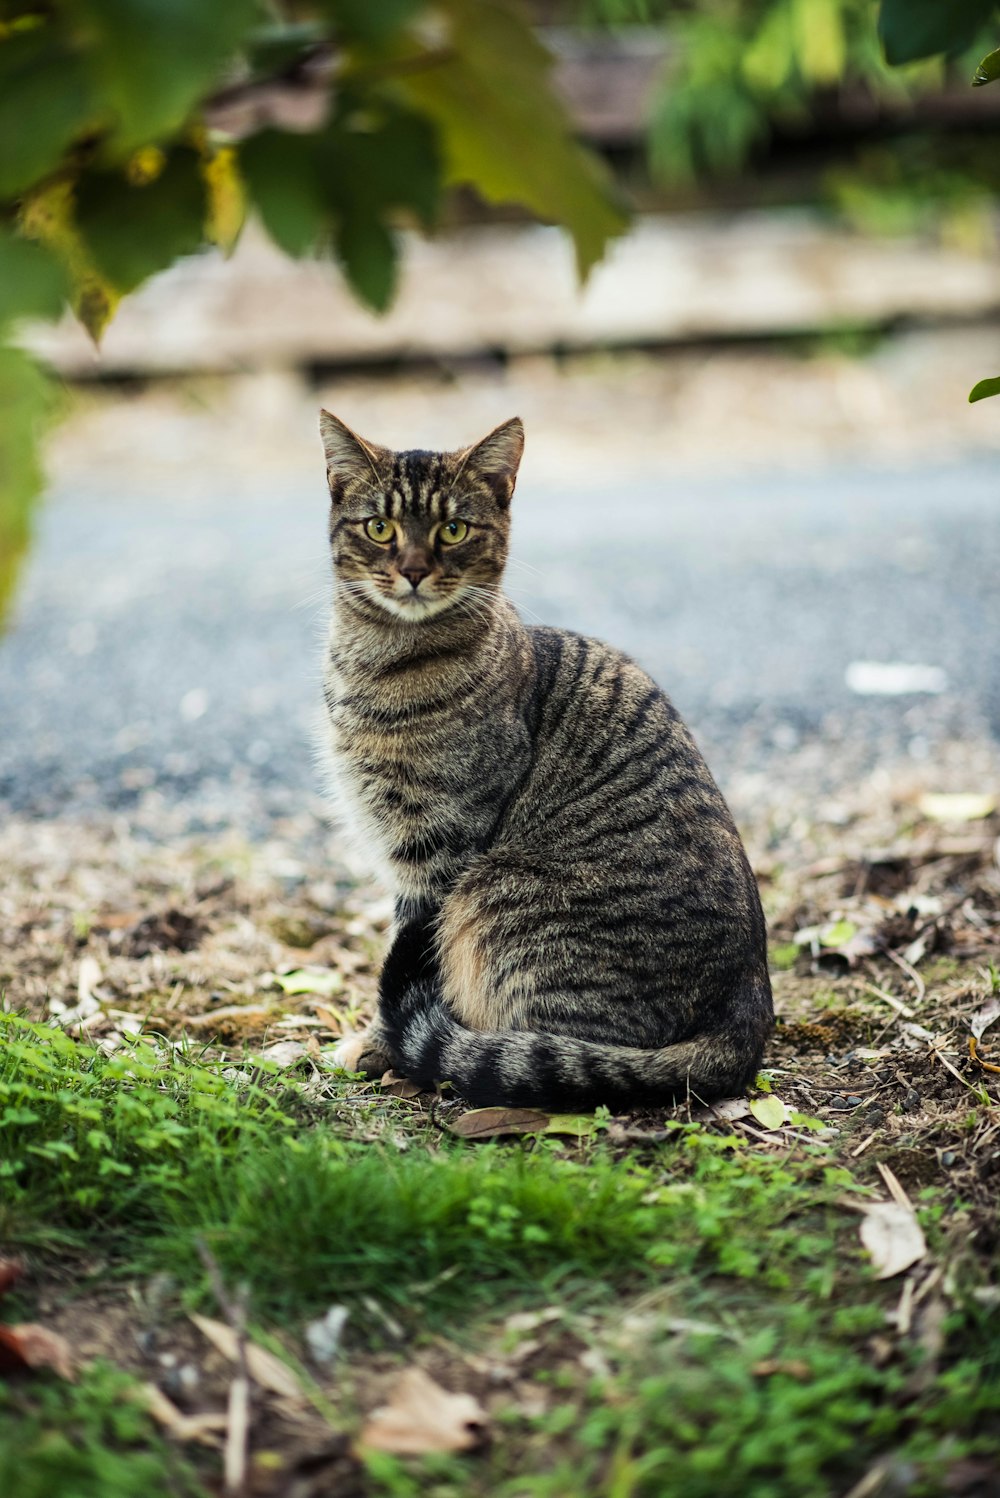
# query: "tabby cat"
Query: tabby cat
576,920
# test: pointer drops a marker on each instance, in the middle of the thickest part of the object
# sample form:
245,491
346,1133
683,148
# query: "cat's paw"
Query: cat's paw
361,1053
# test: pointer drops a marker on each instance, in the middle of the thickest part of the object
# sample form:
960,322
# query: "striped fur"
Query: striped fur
577,921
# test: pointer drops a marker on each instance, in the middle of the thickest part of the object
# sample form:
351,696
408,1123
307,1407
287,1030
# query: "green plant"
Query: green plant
91,1439
135,132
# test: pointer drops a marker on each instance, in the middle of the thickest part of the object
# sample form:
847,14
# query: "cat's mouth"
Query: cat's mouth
413,605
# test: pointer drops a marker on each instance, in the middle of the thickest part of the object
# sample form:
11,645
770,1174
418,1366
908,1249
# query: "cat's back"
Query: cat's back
618,782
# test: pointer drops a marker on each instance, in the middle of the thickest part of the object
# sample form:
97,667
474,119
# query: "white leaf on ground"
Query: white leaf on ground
894,678
893,1237
984,1017
769,1111
961,806
421,1416
90,976
264,1368
323,1335
285,1052
729,1108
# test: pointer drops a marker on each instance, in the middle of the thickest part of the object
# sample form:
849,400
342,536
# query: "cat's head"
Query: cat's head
416,533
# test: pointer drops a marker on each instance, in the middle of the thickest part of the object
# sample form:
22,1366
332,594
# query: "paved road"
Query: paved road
168,644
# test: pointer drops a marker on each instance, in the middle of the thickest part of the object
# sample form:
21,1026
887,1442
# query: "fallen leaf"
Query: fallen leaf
770,1112
984,1017
894,678
491,1123
285,1052
421,1416
728,1109
10,1272
30,1346
331,1018
793,1367
325,981
90,976
961,806
228,1012
205,1428
396,1086
578,1125
323,1335
264,1368
893,1237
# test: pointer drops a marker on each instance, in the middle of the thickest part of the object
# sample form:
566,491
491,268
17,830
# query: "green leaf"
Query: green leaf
133,231
984,390
988,70
45,102
282,176
768,1111
365,21
324,981
153,60
910,29
33,283
27,402
504,132
366,249
837,934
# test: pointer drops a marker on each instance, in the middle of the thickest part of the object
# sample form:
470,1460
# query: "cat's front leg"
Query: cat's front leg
410,957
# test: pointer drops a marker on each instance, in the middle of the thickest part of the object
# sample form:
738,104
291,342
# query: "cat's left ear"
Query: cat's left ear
497,457
348,456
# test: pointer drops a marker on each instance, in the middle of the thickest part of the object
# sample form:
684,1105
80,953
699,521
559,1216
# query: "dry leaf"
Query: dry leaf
396,1086
893,1237
264,1368
284,1053
793,1367
769,1111
205,1428
10,1272
491,1123
963,806
421,1416
30,1346
728,1109
984,1017
229,1011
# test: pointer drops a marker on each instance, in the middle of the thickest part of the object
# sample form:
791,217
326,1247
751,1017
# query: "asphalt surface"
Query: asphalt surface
166,647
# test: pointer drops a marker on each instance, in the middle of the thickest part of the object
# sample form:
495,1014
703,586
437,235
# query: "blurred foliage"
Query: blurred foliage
134,132
740,69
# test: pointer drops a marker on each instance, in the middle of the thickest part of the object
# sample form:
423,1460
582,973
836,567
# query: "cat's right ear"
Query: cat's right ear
348,456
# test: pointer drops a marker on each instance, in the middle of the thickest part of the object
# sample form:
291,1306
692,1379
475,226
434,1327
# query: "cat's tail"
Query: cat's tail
526,1068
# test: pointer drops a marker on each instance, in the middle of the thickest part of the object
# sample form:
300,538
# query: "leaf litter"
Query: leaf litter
875,1011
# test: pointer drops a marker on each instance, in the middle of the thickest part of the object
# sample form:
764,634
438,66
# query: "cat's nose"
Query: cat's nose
414,566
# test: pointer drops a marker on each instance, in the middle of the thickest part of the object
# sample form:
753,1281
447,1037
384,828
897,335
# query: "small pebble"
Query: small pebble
911,1102
874,1117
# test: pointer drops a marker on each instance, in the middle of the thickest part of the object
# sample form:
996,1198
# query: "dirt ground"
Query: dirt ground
884,913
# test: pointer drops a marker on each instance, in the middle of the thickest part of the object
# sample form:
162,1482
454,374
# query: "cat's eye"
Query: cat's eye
379,529
453,531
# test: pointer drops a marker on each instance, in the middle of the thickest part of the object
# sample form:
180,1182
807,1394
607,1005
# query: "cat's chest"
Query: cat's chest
390,783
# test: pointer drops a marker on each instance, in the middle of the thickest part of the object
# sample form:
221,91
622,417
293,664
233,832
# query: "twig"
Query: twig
238,1424
863,1145
889,998
893,1186
910,972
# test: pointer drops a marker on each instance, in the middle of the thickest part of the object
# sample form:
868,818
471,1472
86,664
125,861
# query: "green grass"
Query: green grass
126,1163
86,1440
